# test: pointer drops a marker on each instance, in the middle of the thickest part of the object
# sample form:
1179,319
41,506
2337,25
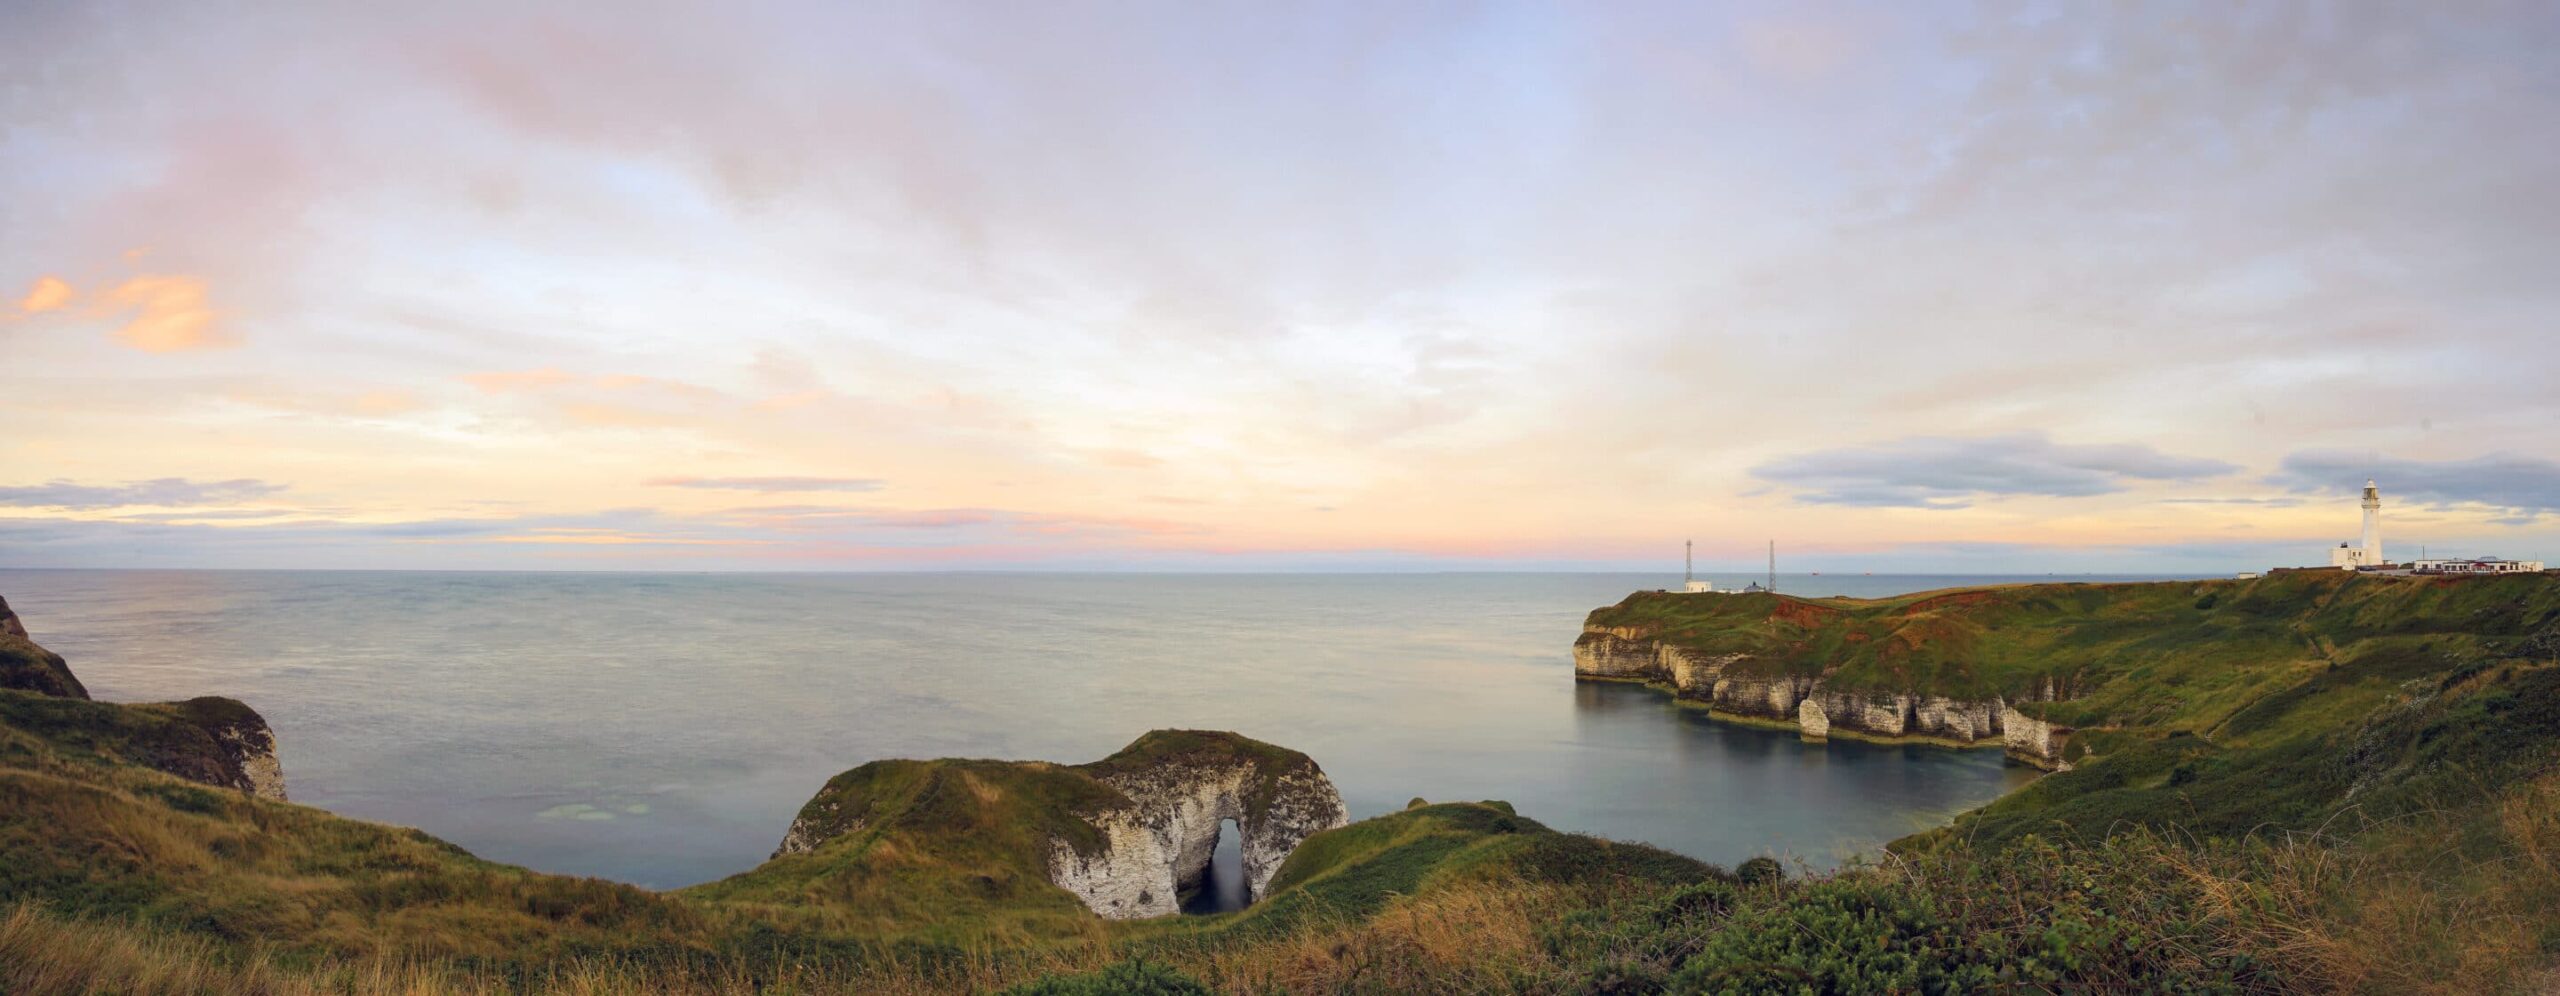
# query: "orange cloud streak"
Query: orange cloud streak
48,294
172,314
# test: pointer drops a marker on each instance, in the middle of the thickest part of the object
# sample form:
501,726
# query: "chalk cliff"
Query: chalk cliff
1178,787
1742,684
1127,835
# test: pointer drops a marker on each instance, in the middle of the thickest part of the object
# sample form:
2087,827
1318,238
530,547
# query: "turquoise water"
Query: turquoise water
663,728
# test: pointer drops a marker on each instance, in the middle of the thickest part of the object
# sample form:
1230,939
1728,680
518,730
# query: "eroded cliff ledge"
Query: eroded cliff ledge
1127,835
213,740
1735,683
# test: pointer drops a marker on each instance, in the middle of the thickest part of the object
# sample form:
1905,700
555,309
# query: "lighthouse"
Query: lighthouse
2372,524
2371,551
2369,554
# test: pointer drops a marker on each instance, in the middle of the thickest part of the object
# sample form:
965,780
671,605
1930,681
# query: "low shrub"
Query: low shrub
1128,978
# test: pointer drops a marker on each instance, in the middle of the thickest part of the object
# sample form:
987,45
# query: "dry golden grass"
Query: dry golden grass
1475,938
1460,939
2441,904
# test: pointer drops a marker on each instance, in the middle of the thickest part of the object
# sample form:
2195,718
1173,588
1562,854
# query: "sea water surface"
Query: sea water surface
662,729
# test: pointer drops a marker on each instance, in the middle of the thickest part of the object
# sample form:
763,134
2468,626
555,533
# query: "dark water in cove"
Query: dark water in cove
663,728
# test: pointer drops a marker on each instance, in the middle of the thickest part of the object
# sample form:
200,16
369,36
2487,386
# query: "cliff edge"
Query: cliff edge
213,740
26,667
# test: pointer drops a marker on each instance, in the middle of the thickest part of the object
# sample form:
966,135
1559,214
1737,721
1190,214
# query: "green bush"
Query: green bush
1760,869
1839,936
1128,978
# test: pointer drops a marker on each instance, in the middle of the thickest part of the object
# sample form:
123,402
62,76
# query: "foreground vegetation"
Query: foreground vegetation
2309,783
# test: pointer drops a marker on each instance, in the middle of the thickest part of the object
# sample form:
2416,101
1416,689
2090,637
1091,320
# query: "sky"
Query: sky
1304,286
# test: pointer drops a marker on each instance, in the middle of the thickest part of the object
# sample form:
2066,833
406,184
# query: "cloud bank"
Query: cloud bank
2524,487
166,491
1944,473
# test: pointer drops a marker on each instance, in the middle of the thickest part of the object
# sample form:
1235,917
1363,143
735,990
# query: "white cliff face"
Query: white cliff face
804,835
1772,697
1693,674
1160,844
256,750
1618,653
1607,655
1939,716
1127,835
2033,740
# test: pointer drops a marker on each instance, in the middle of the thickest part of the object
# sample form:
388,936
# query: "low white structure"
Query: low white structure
1689,580
2482,565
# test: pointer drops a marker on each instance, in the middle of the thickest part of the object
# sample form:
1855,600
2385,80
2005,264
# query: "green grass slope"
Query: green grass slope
952,850
26,667
89,824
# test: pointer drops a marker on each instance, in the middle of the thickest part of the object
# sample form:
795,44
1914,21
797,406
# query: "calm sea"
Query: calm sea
662,729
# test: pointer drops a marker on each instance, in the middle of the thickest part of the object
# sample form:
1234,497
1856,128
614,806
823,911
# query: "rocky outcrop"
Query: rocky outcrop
2034,740
1128,835
1178,789
244,748
1604,654
26,667
1819,711
216,741
1955,719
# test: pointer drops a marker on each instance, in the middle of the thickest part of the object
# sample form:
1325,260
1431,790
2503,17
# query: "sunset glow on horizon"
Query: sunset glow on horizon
801,286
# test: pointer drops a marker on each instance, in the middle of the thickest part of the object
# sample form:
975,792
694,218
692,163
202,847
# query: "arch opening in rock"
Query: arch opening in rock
1177,793
1218,886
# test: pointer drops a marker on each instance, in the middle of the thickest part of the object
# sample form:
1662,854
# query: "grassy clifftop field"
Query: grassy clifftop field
2186,655
2304,783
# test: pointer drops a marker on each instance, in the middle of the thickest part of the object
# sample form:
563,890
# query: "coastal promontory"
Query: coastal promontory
213,740
1127,835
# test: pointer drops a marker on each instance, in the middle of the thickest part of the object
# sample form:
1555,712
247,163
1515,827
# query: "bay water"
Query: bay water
662,729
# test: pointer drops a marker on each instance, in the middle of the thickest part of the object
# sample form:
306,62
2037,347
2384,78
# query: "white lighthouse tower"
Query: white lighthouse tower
2372,524
2370,553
